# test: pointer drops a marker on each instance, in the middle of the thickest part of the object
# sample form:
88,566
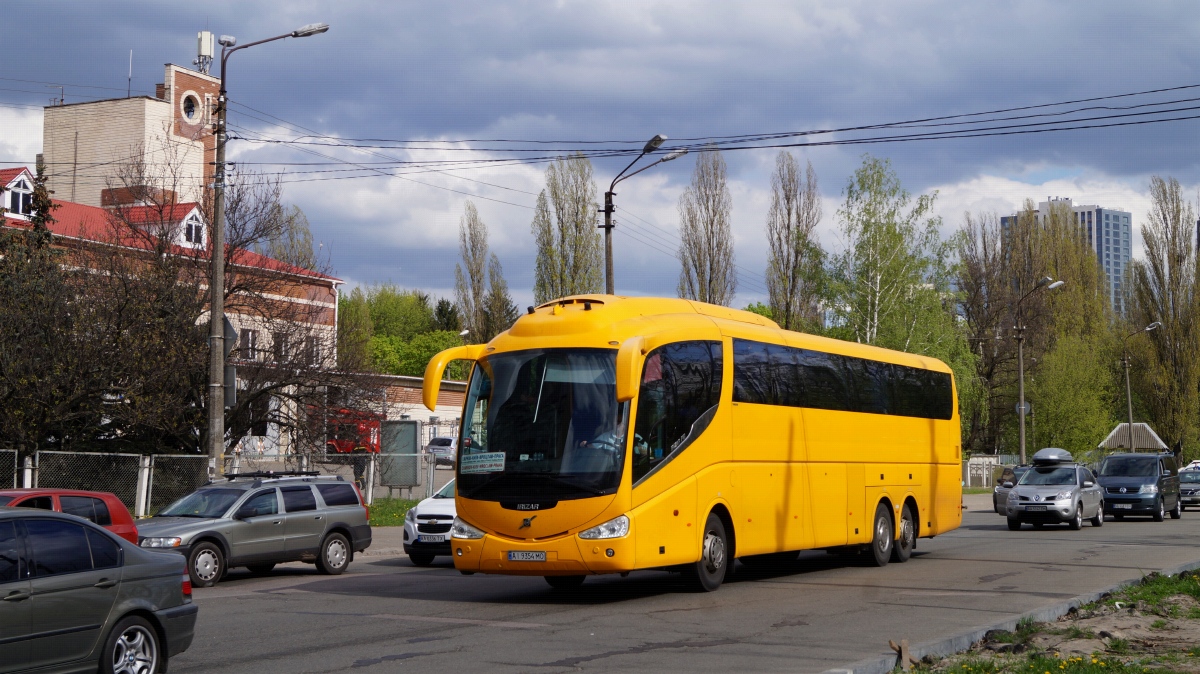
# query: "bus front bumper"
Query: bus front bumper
563,556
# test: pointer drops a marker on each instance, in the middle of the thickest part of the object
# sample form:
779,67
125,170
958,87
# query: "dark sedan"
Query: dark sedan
76,598
1189,489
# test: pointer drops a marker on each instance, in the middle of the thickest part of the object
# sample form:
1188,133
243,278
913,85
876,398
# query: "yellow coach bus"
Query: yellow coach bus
747,441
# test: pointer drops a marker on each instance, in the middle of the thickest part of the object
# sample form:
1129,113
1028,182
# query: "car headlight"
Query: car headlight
161,542
614,528
1012,496
1148,489
1063,495
461,529
411,515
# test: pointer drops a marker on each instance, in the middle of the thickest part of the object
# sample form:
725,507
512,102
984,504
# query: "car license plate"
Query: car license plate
1123,506
526,556
426,538
1036,509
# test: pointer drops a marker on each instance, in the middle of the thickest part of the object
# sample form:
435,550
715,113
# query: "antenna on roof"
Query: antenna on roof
129,79
204,51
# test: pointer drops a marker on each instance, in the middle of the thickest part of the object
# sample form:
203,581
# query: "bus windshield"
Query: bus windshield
542,423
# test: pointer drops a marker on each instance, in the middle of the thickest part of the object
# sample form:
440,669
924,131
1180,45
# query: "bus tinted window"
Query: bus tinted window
681,386
770,374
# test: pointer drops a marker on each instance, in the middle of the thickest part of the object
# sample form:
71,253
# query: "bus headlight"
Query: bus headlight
461,529
614,528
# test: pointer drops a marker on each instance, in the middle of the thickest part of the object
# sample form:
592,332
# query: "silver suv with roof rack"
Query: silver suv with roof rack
258,520
1055,490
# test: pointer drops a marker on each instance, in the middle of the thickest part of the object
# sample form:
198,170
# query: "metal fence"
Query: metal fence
8,468
173,476
115,473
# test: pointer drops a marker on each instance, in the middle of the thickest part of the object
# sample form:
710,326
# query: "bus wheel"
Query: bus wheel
881,544
565,582
707,574
908,536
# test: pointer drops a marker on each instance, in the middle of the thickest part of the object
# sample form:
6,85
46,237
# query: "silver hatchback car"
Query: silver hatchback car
1055,490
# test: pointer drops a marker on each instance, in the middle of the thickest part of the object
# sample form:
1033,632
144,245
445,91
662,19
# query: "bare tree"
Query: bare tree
794,263
706,238
564,229
1166,288
469,276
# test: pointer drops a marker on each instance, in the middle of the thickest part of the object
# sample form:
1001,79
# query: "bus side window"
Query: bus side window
681,386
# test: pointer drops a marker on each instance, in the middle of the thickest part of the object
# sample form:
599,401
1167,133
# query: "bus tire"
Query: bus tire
907,540
883,537
708,573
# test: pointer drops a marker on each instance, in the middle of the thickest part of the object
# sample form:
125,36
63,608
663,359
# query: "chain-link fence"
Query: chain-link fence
8,468
115,473
173,476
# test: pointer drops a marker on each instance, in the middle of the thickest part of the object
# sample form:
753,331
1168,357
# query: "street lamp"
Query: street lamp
1049,284
1125,361
216,334
651,145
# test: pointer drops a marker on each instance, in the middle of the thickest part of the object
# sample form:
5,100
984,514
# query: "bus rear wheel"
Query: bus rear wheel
884,536
907,541
707,574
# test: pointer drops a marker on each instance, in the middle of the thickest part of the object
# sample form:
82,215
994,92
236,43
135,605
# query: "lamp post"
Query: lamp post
651,145
1049,284
1125,361
216,318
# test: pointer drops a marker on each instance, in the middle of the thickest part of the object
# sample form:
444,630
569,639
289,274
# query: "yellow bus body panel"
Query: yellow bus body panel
785,478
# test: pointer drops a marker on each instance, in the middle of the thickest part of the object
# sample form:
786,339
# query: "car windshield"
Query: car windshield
543,424
5,500
203,503
1048,475
1185,476
1129,466
447,491
439,442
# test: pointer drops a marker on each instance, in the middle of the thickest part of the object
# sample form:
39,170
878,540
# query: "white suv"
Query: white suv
444,450
427,527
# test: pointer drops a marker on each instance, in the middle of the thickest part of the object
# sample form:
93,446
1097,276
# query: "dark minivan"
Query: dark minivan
1140,484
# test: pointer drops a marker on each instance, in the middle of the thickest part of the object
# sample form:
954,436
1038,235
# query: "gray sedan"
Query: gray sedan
74,598
1056,493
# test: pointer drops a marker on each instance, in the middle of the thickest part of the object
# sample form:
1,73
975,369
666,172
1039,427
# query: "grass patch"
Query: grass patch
1156,587
977,490
1159,624
1118,646
389,512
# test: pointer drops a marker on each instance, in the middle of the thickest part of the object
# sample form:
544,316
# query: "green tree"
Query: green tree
399,313
446,317
499,309
565,233
707,273
354,331
762,310
1165,287
794,265
471,274
290,240
1073,390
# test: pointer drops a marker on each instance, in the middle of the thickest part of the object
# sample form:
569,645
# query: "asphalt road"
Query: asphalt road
821,612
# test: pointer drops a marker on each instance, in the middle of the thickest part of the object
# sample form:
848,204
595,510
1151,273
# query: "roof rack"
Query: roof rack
274,473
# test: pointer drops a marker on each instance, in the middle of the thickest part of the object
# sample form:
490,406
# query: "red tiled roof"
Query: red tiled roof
138,215
9,174
90,223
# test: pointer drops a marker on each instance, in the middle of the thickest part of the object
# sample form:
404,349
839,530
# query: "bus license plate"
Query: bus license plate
1036,509
426,538
1123,506
526,556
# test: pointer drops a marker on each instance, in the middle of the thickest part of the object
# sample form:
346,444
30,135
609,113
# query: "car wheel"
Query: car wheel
907,540
335,555
260,569
132,648
708,573
1013,524
206,565
1177,511
420,558
883,537
565,582
1077,521
1160,513
1098,520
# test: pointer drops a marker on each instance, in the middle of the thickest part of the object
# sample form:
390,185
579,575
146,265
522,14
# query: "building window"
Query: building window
248,342
279,342
193,230
312,352
260,414
20,198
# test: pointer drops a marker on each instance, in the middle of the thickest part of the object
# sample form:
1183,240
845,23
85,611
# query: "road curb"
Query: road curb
889,660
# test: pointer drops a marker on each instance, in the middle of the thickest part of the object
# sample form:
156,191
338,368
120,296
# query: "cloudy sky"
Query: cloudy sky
621,72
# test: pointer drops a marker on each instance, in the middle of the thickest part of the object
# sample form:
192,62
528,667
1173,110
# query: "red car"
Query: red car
100,507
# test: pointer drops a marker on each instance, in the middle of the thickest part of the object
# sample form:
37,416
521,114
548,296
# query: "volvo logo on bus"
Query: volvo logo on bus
527,522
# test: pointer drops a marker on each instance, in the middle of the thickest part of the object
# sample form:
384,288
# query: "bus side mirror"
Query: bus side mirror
629,367
437,366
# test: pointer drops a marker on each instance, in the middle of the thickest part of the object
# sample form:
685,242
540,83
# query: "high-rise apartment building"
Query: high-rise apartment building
1109,232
